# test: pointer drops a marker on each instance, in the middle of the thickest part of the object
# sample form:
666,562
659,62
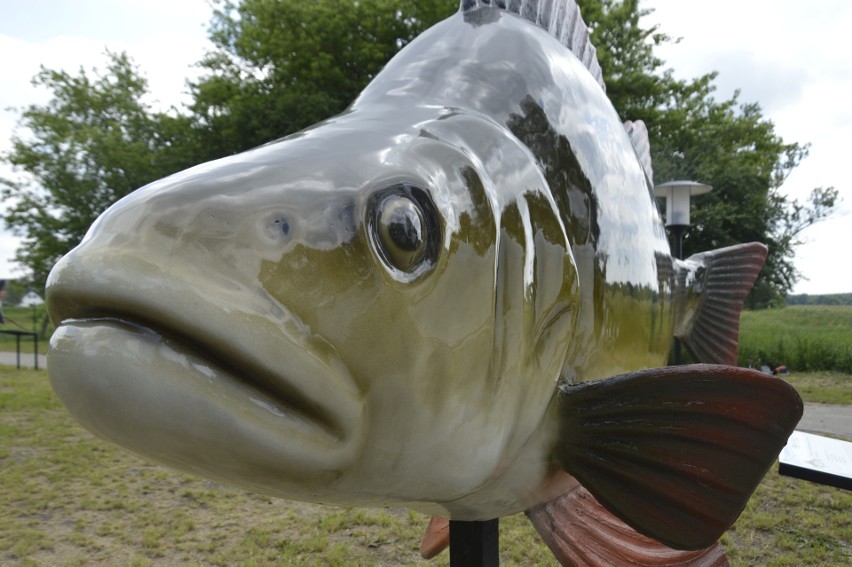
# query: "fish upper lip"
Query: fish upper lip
237,364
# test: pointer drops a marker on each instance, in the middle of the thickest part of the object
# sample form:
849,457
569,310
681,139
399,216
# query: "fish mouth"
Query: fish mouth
248,396
271,391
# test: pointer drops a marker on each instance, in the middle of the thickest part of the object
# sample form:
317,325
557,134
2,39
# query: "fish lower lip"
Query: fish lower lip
272,393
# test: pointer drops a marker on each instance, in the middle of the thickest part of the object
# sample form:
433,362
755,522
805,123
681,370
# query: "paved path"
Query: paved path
27,359
818,418
827,418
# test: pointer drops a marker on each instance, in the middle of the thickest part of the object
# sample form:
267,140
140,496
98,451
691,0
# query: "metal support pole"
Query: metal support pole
677,239
474,544
677,231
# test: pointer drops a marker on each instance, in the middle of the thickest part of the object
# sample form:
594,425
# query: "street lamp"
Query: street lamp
677,194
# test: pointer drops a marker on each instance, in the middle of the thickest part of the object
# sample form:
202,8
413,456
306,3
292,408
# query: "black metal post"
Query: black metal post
474,544
677,231
18,335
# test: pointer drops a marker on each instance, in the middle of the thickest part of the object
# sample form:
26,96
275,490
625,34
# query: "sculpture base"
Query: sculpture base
474,544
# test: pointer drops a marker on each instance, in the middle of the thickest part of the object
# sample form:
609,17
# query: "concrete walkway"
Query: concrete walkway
827,419
27,359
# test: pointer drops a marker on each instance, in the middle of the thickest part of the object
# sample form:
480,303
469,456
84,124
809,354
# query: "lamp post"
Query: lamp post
677,195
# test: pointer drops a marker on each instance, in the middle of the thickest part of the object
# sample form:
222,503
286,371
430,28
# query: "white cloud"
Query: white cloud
165,39
791,57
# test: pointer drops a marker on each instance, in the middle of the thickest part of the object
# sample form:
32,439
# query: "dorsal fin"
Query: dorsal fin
638,133
561,18
721,281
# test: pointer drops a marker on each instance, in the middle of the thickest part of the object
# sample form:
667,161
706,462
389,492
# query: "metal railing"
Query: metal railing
18,335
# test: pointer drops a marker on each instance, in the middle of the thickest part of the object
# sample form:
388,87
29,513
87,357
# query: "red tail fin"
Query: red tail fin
579,531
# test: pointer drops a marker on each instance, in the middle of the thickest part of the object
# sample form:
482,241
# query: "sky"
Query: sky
791,57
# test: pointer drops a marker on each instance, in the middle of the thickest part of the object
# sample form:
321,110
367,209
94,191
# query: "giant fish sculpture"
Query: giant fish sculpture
456,296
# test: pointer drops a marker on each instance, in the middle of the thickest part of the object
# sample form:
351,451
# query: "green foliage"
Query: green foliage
15,291
280,66
726,144
804,338
94,142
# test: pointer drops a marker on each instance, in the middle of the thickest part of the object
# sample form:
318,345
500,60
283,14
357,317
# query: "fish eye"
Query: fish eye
400,225
404,229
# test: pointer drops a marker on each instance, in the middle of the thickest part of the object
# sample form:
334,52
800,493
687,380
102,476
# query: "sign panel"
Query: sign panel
818,459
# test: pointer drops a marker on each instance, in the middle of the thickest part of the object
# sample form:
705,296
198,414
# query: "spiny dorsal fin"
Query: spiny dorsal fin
638,133
561,18
722,279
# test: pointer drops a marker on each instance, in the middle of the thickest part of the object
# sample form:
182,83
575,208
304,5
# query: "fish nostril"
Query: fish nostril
277,227
283,226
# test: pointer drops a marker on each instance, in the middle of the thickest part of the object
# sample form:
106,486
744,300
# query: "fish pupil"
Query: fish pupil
406,230
401,228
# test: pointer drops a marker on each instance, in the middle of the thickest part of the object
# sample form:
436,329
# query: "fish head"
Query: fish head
329,317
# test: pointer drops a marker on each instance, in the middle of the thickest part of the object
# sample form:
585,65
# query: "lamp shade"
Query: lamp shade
677,194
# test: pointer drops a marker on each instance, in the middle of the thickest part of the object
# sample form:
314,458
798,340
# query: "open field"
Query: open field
803,337
68,498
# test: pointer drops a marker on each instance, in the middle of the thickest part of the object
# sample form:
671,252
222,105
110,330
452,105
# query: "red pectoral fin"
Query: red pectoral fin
579,531
676,452
436,539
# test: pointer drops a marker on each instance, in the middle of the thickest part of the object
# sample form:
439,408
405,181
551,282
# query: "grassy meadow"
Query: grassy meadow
67,498
802,337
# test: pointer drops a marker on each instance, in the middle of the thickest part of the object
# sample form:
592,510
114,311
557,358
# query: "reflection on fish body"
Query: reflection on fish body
391,307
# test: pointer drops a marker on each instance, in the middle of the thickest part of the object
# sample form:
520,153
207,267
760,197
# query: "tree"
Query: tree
280,66
94,142
746,163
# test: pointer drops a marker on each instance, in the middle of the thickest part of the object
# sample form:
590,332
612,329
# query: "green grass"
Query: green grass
803,337
68,498
822,387
791,522
71,499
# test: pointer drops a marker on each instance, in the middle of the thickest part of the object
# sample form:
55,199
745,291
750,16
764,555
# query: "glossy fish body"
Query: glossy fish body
378,310
372,380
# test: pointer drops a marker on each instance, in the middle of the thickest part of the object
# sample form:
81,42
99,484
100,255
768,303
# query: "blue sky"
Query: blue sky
789,56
